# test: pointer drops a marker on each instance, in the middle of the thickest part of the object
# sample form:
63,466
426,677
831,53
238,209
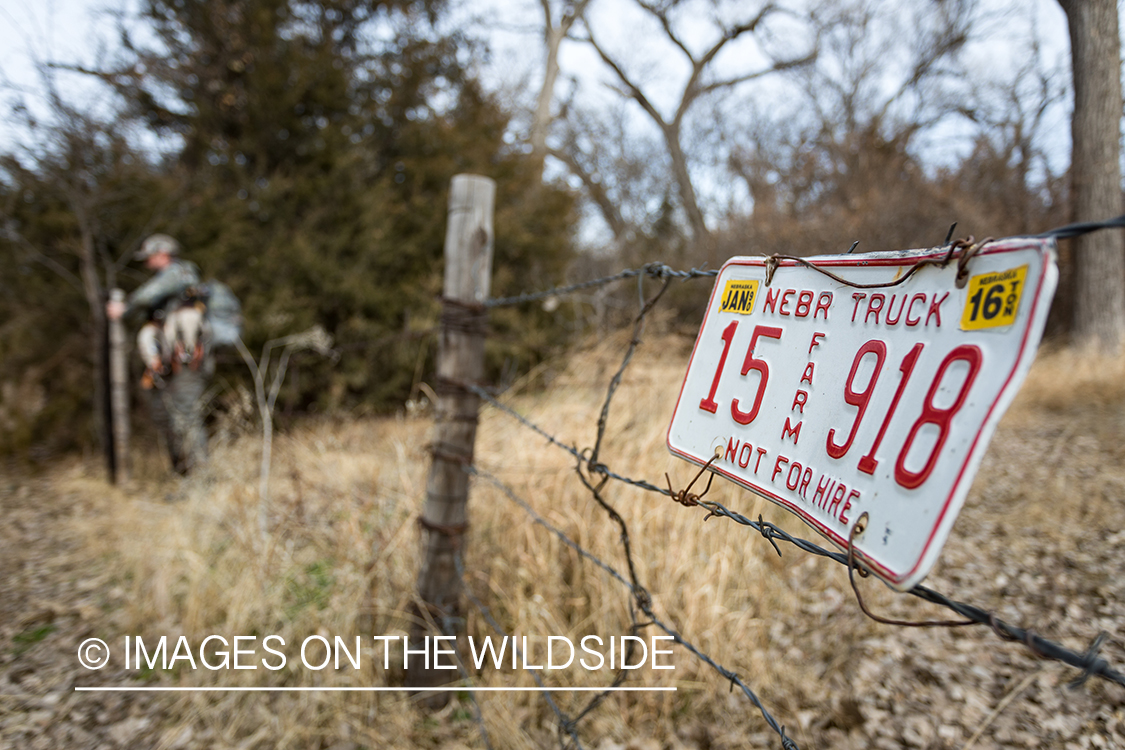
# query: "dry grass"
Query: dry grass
343,555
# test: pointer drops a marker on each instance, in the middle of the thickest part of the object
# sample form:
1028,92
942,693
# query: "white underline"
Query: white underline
372,689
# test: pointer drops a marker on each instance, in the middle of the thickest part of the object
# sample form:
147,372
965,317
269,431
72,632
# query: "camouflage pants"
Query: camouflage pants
177,411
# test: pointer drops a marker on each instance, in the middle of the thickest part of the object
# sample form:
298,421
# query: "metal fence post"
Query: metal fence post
444,519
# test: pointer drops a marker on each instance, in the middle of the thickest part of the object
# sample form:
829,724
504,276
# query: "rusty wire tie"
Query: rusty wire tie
450,530
969,247
446,453
854,564
685,497
464,316
446,386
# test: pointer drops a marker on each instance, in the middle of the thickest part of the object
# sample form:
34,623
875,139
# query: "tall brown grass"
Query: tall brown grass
343,555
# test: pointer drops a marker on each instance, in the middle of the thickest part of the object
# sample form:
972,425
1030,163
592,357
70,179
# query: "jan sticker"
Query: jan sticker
738,296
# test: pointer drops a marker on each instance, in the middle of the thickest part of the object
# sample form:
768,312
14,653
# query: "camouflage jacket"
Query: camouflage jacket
163,289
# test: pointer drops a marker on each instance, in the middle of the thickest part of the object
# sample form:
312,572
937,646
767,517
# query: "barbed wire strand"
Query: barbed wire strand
616,575
654,270
663,271
566,724
1090,663
773,533
1083,227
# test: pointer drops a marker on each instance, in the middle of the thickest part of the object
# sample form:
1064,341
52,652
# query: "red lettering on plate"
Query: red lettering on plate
873,309
747,451
822,303
785,301
771,300
800,398
804,303
837,496
804,488
777,467
815,341
891,306
935,309
823,490
732,450
761,452
792,483
791,429
848,506
807,377
910,308
858,297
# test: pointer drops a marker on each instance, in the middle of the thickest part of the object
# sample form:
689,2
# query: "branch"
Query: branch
662,16
777,67
634,91
13,235
597,192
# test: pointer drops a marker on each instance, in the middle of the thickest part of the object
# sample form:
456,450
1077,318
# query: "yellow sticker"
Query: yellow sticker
993,299
738,297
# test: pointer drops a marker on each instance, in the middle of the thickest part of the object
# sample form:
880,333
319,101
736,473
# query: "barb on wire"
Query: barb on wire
566,724
616,575
654,270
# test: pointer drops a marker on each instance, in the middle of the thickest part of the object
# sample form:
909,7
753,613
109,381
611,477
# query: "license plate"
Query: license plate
835,401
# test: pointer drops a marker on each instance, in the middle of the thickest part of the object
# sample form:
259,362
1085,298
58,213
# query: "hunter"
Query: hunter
172,342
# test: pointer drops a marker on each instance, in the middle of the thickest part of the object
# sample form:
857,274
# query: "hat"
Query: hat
157,243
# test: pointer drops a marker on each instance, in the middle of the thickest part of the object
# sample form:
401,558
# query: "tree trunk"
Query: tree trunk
553,37
1099,305
91,286
688,198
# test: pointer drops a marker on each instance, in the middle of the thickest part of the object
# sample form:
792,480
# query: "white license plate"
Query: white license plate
834,401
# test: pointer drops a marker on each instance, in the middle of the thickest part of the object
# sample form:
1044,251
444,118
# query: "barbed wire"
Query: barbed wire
653,270
641,596
1083,227
588,466
1088,661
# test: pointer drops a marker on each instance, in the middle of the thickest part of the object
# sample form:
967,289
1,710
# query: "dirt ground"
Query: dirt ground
1041,542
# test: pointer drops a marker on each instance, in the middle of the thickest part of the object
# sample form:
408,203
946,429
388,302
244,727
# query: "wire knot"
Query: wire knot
767,530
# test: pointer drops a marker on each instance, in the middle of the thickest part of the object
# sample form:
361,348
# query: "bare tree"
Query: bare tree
703,80
884,74
553,36
1095,48
316,339
86,165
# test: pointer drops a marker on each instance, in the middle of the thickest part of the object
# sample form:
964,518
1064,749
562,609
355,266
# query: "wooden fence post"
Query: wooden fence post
119,395
444,519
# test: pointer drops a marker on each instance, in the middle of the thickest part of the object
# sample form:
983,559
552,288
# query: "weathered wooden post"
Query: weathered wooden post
445,519
119,395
